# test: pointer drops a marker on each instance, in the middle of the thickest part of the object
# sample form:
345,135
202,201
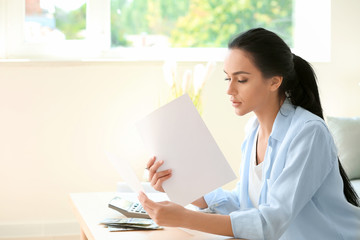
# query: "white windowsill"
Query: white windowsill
154,55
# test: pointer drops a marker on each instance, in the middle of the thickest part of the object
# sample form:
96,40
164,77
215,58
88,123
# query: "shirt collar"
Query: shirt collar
282,120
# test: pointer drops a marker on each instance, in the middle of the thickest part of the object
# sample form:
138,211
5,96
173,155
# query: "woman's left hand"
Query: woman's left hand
163,213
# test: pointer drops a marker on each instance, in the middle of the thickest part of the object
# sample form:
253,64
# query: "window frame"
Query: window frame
312,33
97,46
97,29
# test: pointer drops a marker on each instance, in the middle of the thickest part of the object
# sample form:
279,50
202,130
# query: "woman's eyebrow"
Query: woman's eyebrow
238,72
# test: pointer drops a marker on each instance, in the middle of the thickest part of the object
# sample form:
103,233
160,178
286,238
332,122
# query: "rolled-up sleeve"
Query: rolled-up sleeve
223,201
309,159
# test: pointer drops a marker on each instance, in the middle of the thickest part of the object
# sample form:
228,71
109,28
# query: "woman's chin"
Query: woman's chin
240,112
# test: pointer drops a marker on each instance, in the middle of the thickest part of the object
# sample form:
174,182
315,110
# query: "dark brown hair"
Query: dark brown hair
273,57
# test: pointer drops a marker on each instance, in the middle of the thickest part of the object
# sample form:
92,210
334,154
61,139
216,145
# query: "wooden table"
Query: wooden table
91,208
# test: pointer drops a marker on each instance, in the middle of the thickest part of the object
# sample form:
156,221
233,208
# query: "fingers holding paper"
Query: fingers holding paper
156,178
150,162
163,213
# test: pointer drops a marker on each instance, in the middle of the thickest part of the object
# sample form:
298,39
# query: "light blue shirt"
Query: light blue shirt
302,190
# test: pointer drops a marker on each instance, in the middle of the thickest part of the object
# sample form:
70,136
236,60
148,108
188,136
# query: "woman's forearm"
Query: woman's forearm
174,215
200,203
210,223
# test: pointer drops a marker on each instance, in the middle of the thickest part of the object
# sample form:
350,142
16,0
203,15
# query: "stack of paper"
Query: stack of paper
129,224
176,134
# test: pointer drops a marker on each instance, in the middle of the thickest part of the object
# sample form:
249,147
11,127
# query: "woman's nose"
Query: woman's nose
231,88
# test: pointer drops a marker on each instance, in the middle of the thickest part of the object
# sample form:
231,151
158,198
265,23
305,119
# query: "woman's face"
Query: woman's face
248,89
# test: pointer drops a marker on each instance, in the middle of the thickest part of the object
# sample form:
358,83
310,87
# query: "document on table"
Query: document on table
176,134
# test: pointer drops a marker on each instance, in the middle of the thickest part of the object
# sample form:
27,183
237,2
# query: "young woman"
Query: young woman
292,185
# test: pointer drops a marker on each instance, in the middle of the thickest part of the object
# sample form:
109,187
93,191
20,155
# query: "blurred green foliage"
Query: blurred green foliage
187,23
71,23
144,16
211,23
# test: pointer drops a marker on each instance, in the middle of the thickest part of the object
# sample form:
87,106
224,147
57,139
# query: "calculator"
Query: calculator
128,208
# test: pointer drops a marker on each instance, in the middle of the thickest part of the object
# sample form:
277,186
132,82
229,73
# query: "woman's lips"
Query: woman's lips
235,104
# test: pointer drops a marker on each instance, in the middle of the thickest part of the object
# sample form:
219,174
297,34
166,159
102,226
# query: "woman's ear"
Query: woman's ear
275,83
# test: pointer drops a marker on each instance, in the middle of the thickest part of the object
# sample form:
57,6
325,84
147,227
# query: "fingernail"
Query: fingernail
161,161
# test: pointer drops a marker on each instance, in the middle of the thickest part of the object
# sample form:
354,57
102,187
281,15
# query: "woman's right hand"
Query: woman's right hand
156,178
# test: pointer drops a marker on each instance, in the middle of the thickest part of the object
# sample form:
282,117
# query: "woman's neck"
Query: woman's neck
267,115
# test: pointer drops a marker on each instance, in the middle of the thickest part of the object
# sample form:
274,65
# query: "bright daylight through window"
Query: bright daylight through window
160,23
155,29
194,23
49,20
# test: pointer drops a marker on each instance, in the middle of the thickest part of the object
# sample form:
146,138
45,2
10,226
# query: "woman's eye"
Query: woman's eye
240,81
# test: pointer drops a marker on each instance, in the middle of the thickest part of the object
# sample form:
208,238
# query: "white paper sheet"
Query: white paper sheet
126,172
176,134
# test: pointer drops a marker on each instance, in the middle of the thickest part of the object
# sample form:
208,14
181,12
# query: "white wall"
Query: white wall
339,79
56,119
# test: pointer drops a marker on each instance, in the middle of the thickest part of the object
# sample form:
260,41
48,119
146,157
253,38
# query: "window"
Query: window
40,29
47,20
155,29
194,23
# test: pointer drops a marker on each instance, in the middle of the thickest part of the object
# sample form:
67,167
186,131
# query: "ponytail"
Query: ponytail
349,192
274,58
301,88
304,92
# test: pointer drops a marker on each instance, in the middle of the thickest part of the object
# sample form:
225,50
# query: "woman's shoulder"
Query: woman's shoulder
305,121
309,131
307,118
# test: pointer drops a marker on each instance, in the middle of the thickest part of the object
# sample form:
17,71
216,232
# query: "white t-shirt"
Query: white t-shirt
255,176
